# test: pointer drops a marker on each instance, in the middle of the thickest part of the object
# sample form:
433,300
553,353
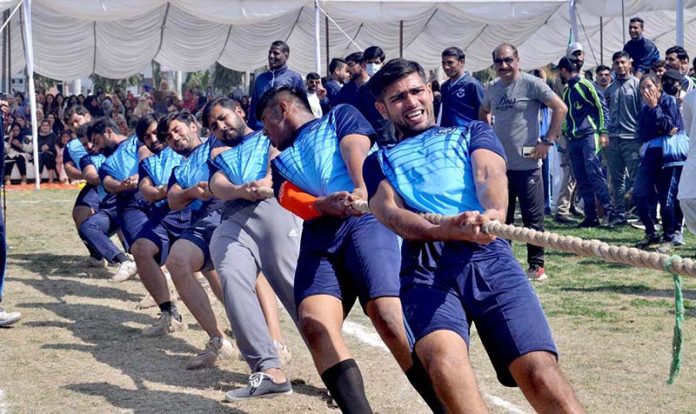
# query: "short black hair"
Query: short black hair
455,52
374,52
658,64
270,97
281,45
144,123
313,76
679,51
637,20
75,109
620,54
571,63
182,116
394,70
511,46
229,103
335,64
100,125
355,57
601,68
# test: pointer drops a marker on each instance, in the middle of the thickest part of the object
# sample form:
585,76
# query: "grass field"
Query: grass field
79,348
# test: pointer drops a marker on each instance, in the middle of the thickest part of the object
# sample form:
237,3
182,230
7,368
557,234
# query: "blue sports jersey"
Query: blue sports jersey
313,162
193,169
247,161
123,162
432,171
73,152
158,168
96,160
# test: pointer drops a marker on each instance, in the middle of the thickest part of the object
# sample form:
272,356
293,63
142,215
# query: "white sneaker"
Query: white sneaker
166,324
8,318
216,349
126,270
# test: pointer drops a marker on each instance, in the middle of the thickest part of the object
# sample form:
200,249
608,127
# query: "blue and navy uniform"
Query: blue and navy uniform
362,99
163,226
205,215
274,78
342,257
97,230
449,285
461,100
73,152
131,206
333,87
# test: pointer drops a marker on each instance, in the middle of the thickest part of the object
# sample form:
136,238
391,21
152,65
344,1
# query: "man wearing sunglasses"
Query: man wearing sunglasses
514,99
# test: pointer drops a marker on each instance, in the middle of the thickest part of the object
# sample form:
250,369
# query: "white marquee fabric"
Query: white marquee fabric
117,38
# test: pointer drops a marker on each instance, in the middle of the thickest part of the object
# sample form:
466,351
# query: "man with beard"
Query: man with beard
256,234
344,255
622,154
461,93
575,49
642,51
515,99
603,73
278,75
453,274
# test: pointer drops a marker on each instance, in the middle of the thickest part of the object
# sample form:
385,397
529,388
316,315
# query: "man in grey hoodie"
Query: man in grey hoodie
624,102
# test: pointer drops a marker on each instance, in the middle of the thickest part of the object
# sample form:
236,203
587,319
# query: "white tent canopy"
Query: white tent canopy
118,38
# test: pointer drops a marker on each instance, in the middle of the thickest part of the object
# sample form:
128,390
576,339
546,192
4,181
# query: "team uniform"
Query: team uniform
163,226
449,285
88,196
461,100
205,215
253,236
343,257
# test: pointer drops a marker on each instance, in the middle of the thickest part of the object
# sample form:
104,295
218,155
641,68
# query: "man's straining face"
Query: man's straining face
275,123
182,137
227,124
151,140
408,103
75,121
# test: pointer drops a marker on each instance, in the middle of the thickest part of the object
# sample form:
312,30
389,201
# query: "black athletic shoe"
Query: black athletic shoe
586,224
650,240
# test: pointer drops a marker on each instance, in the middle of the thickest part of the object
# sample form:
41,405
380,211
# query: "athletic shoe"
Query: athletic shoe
536,273
665,247
563,219
649,241
126,270
166,324
678,238
261,385
615,220
576,211
216,349
585,224
284,353
98,263
8,318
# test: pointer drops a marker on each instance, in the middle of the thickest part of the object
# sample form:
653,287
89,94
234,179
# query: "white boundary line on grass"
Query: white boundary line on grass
371,338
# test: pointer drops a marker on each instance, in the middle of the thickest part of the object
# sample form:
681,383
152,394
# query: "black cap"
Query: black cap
672,74
569,63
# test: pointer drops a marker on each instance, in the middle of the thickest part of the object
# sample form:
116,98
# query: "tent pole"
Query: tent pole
601,41
178,79
680,23
5,87
326,28
573,20
9,57
623,21
401,38
29,52
317,38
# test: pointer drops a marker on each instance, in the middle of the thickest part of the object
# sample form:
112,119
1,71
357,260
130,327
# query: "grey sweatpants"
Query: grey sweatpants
256,237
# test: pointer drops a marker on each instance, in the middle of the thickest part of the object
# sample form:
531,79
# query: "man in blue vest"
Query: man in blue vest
453,274
6,318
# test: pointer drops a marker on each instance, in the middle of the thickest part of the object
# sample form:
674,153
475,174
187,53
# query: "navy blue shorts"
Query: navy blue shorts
163,231
349,258
88,197
488,289
200,234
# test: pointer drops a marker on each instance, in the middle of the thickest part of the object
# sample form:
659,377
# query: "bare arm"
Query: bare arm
113,185
354,150
490,178
485,114
72,171
557,117
223,188
179,198
90,175
150,192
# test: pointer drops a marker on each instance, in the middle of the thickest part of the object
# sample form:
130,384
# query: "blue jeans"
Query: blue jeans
587,169
652,176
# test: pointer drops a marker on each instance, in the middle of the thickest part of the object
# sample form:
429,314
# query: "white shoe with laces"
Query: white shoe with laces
126,270
8,318
215,350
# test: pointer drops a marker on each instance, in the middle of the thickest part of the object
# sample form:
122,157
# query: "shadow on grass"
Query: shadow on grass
143,400
63,265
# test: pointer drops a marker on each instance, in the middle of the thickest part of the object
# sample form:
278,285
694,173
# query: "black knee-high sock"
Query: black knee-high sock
418,377
171,308
345,383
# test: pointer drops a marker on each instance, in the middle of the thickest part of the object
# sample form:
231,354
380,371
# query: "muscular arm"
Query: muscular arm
113,185
179,198
90,174
150,192
557,117
490,178
223,188
72,171
354,150
485,114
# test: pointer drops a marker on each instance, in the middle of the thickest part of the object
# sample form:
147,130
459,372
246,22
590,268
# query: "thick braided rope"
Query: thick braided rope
597,248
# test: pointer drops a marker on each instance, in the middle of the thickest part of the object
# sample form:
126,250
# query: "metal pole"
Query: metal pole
326,27
623,21
401,38
680,23
317,38
3,77
573,20
601,41
29,53
9,57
